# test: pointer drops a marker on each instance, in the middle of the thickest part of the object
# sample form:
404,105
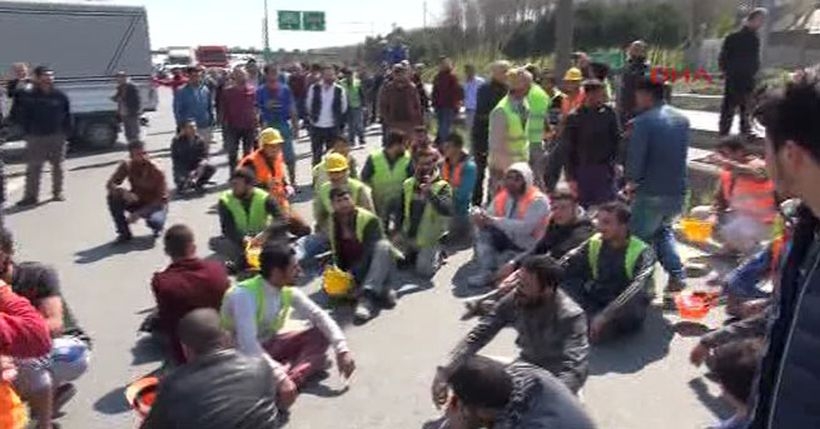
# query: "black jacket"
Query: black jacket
788,385
42,113
187,154
487,98
560,239
739,56
216,391
129,95
593,137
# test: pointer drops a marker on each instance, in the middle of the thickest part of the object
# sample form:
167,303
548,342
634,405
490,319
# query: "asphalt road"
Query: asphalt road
640,382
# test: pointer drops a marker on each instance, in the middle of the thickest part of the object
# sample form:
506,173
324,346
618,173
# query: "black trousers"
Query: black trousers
736,96
480,158
555,161
233,139
321,140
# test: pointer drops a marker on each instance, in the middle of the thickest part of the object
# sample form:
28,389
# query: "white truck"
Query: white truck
86,45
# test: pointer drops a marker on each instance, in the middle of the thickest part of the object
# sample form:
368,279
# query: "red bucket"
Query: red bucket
141,394
693,305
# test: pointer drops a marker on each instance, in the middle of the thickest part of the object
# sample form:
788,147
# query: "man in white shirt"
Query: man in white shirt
255,311
327,106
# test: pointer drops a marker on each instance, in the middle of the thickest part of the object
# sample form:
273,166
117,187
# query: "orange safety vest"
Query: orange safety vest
12,410
276,180
500,205
749,196
453,179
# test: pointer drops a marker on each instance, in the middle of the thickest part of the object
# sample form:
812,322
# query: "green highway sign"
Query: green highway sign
290,20
313,21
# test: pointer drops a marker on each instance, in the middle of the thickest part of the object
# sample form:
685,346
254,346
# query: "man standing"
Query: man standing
129,106
327,106
45,115
637,67
656,175
788,385
147,199
399,104
194,101
509,142
539,103
447,97
488,96
189,155
255,76
277,110
471,85
355,107
238,117
297,82
739,61
592,138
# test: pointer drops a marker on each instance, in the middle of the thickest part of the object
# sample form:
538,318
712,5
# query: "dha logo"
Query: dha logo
672,75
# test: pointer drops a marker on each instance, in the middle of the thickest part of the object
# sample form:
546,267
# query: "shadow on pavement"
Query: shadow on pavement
112,402
16,209
632,353
460,287
717,406
190,195
305,194
98,253
147,349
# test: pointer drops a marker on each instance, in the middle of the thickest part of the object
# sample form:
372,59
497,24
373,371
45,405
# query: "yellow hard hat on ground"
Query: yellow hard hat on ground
336,162
270,136
574,75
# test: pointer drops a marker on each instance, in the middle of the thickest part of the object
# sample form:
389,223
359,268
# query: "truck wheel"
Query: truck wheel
99,134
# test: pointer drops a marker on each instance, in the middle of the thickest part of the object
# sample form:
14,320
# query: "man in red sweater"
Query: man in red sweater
23,332
447,97
186,284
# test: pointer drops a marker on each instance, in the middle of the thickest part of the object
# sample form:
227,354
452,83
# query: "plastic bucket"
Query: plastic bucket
693,306
252,256
696,230
141,394
337,283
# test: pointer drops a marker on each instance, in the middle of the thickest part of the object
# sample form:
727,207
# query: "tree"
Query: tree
564,30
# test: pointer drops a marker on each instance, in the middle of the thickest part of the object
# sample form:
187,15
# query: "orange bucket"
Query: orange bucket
141,394
693,305
696,230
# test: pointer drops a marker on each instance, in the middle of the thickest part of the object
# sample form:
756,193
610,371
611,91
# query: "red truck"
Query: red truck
212,56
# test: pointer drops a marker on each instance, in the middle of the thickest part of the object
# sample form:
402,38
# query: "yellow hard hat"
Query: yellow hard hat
336,162
270,136
574,74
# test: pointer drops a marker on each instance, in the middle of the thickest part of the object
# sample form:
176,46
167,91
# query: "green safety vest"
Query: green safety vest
363,219
540,104
257,286
355,190
255,219
633,252
518,144
432,223
353,90
386,183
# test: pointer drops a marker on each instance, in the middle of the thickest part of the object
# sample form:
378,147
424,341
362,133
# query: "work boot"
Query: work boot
62,395
389,299
673,287
27,202
123,238
365,309
58,196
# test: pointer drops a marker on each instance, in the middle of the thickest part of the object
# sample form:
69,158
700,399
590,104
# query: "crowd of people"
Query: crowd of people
567,263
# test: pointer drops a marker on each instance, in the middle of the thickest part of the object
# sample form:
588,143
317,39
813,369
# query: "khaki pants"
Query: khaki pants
40,149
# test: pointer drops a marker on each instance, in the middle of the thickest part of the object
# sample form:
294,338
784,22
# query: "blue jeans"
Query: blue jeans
651,221
288,150
155,219
745,280
355,125
444,117
307,248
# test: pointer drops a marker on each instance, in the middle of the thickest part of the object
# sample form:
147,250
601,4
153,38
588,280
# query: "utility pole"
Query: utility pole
424,11
564,29
266,52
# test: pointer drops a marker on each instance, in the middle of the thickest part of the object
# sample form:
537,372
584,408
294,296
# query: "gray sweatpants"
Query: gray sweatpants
382,266
40,149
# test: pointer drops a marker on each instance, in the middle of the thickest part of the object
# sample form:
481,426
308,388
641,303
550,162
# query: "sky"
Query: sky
239,22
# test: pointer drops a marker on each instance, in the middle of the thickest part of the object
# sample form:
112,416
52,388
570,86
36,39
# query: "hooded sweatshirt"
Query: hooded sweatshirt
525,231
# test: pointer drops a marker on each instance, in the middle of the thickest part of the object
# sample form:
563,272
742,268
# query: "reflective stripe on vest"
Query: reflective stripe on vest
539,103
432,223
355,190
363,219
256,285
251,221
633,252
749,196
518,146
386,183
455,179
500,208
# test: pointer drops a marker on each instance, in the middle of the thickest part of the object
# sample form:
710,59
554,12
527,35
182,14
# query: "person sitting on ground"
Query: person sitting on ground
342,147
551,328
218,387
186,284
245,214
361,248
189,154
147,199
488,393
460,171
256,310
421,219
385,170
745,200
733,366
45,382
610,276
515,221
268,166
568,228
23,334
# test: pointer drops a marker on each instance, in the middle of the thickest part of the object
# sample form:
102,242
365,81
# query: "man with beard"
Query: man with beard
551,328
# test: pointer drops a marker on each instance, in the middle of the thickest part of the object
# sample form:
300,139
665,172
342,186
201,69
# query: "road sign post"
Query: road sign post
290,20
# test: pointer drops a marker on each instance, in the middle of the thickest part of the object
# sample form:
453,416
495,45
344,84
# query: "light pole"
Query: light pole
266,53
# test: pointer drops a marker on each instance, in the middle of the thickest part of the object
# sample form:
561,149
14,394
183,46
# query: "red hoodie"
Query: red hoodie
23,332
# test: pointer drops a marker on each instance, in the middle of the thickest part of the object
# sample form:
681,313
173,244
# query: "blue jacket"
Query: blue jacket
788,385
463,193
194,103
656,155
